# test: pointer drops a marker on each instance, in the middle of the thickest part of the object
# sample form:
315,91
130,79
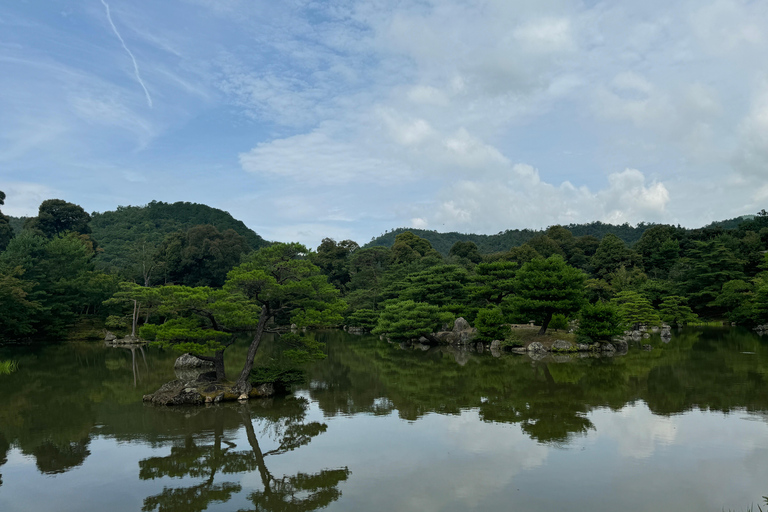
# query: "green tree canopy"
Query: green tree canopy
407,320
56,217
635,309
600,321
545,287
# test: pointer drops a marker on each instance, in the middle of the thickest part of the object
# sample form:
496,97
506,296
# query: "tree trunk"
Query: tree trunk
243,384
545,323
135,318
218,364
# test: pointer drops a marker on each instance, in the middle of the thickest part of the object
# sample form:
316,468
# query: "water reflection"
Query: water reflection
210,449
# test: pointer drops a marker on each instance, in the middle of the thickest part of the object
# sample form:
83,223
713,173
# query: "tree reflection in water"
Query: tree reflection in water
207,453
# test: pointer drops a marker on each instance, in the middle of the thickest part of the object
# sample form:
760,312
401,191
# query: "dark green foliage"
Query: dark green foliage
201,256
333,260
600,321
465,253
365,318
122,232
439,285
546,287
6,230
612,254
490,324
705,268
282,376
409,248
56,217
406,320
494,282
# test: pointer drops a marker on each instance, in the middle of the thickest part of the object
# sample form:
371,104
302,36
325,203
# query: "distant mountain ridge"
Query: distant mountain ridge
505,240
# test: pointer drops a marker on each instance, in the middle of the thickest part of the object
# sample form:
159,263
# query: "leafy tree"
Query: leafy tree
559,322
708,266
283,282
494,281
611,254
490,324
600,321
18,312
204,321
546,287
407,320
673,310
202,255
465,253
634,309
365,318
367,268
333,260
439,285
6,231
409,248
522,254
659,249
56,217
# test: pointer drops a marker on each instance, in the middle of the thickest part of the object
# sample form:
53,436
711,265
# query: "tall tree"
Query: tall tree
6,231
545,287
56,217
611,254
287,287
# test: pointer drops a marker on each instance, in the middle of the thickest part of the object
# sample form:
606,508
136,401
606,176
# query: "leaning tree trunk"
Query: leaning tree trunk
545,323
218,365
243,384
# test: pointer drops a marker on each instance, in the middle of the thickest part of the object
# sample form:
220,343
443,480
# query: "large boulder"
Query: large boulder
536,348
188,361
562,346
460,325
175,392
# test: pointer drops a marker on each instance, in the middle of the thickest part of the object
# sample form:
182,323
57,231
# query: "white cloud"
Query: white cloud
23,199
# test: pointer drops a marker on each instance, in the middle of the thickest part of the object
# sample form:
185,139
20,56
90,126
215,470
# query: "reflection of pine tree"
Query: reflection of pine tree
301,491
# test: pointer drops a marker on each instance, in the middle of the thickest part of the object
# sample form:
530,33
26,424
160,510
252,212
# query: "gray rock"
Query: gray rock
562,346
582,347
646,335
621,346
460,325
175,393
647,347
109,336
188,361
536,348
608,347
517,350
496,345
480,347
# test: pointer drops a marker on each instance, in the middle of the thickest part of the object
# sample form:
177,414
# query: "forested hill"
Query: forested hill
504,240
119,232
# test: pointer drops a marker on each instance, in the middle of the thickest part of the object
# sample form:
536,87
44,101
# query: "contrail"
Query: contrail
135,65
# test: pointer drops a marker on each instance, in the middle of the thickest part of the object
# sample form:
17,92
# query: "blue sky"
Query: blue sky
309,119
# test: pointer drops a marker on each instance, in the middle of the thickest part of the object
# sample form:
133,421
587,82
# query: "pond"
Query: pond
682,427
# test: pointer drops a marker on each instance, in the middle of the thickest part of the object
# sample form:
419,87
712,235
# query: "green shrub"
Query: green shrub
490,324
600,321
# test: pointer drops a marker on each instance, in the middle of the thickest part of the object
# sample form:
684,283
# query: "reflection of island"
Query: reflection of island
207,456
550,401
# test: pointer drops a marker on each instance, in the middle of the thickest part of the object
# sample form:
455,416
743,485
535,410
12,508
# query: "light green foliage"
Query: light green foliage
490,324
405,320
559,322
8,367
673,310
284,280
546,287
186,335
600,321
634,309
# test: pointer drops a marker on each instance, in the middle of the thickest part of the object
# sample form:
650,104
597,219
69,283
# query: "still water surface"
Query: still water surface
683,427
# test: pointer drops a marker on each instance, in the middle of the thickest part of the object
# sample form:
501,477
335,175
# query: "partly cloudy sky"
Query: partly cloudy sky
308,118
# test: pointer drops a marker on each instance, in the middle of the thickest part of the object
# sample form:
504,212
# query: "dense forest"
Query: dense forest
193,276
